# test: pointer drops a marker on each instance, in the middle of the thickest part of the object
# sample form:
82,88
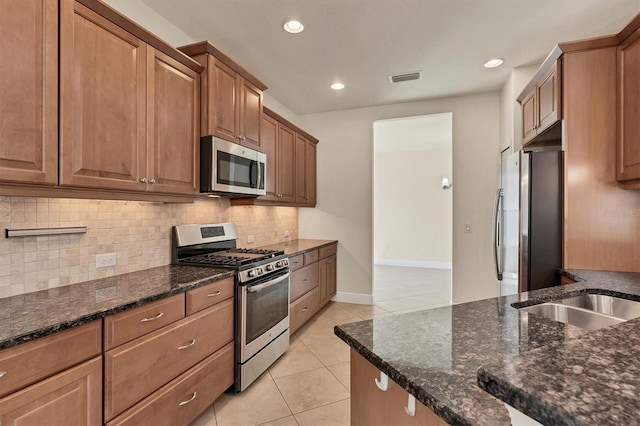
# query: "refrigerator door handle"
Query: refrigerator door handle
496,232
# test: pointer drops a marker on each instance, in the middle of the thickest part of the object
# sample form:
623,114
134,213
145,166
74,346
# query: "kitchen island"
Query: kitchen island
535,364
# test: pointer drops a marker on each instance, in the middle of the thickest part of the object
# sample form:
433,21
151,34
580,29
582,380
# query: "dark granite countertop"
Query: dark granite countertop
534,364
294,247
33,315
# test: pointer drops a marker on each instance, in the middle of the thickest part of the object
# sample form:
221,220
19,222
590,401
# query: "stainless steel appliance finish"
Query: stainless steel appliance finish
528,221
579,317
262,292
230,169
609,305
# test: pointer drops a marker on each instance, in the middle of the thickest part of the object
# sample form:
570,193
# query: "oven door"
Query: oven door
264,313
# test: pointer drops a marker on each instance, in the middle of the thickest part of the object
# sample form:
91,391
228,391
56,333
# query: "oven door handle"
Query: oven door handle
258,287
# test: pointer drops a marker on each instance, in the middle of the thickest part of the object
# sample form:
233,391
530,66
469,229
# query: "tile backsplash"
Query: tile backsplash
138,232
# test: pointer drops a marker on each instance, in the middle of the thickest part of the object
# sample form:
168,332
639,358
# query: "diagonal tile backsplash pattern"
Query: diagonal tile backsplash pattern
138,232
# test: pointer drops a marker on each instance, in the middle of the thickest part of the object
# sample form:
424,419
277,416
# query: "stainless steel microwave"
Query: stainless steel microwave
230,169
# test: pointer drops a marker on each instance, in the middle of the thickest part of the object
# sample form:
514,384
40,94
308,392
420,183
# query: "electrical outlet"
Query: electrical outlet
105,260
467,228
250,239
286,234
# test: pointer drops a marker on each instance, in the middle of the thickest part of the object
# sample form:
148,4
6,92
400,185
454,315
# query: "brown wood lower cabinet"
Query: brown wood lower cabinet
302,310
138,368
183,399
73,397
312,285
371,406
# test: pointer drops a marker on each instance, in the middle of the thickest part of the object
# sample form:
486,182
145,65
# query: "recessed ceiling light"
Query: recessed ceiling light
492,63
293,27
337,86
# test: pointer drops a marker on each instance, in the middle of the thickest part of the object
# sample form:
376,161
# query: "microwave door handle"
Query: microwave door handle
258,287
260,170
252,166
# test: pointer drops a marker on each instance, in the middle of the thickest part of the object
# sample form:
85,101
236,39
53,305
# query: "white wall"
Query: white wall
412,214
344,209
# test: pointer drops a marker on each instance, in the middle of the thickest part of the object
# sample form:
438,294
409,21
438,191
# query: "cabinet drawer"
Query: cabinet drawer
203,297
327,251
30,362
303,280
125,326
204,383
73,397
310,257
296,262
136,369
302,310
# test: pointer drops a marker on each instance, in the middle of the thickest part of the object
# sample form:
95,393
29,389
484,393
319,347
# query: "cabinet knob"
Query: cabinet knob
143,180
305,309
2,373
152,181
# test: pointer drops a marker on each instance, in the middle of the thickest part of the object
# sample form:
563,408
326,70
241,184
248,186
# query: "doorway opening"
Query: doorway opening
412,212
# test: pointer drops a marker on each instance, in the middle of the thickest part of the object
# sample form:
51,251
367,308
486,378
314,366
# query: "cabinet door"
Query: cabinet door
529,118
250,114
29,91
103,102
268,143
549,99
286,164
73,397
371,406
172,120
327,278
629,109
310,173
222,96
300,166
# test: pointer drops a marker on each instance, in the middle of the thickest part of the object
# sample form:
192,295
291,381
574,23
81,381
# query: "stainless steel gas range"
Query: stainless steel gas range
262,292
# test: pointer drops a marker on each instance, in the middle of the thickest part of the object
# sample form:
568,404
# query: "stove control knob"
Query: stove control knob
252,273
279,264
260,271
270,267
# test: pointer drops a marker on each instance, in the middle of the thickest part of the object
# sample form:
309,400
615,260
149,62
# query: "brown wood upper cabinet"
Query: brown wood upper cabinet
541,103
628,146
231,105
291,164
128,114
29,87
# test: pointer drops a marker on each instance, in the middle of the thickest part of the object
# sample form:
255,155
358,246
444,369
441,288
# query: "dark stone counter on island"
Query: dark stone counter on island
552,372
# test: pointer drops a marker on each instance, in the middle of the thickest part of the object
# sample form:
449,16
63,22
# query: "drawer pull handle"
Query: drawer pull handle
188,345
217,293
410,409
2,373
188,400
305,309
305,280
383,383
152,318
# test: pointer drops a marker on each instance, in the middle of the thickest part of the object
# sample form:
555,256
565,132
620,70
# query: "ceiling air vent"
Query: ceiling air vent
405,77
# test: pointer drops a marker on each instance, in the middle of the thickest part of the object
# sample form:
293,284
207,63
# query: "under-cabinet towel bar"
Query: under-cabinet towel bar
11,233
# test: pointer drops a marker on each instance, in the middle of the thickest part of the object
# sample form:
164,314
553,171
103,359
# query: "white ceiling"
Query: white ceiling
361,42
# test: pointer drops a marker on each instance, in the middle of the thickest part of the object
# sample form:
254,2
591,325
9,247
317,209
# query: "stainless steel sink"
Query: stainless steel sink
610,305
580,317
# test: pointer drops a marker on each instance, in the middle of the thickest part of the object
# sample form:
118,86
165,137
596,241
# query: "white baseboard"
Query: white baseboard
359,298
413,263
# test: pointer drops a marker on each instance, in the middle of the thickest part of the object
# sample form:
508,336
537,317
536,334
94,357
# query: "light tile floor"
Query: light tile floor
310,383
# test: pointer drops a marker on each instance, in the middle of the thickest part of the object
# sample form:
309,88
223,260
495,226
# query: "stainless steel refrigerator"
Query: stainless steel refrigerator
528,221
